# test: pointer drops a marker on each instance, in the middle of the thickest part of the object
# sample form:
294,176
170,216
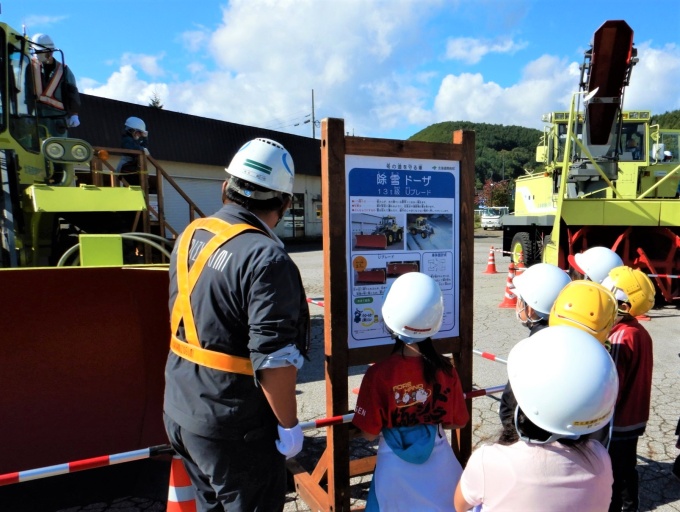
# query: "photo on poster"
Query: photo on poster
429,231
377,232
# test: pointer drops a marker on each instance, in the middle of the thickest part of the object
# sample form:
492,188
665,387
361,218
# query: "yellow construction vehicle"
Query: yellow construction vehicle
422,227
610,177
83,346
389,227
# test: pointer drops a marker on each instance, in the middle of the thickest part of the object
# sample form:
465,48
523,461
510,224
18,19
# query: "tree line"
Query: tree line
506,152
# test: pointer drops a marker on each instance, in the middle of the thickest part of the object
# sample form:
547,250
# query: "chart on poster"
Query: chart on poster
403,216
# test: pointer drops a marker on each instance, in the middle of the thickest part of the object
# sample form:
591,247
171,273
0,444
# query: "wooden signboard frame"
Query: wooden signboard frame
327,487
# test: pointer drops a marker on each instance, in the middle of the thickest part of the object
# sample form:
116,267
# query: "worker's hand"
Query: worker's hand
290,440
146,151
73,121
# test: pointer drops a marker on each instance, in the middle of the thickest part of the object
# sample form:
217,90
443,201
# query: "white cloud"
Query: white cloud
194,40
147,63
655,79
373,68
41,21
125,85
471,50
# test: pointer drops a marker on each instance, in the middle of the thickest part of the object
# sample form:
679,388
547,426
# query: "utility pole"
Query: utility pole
313,120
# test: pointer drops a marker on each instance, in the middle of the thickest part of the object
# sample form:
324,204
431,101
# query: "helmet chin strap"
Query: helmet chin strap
553,437
529,322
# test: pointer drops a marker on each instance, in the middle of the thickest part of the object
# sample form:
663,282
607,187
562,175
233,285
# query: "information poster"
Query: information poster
403,216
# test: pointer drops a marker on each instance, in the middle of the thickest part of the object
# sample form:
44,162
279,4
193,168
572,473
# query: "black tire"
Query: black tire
521,242
423,234
400,236
390,238
413,231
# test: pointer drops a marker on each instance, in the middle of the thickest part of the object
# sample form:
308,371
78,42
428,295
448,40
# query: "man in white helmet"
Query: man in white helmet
239,333
135,137
57,99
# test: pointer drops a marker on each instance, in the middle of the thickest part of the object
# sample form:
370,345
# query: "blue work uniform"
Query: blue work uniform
248,302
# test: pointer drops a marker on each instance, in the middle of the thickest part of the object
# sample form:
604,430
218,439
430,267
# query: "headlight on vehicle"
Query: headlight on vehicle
65,150
80,153
54,150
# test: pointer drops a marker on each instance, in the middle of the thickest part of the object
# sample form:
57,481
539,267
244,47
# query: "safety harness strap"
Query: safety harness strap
47,96
186,280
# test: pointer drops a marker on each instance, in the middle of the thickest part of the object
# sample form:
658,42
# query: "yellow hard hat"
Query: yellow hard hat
631,285
586,305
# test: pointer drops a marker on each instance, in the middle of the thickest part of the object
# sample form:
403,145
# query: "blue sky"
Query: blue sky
388,68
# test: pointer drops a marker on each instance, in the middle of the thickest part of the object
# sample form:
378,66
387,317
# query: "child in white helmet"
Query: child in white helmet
594,263
407,400
565,384
537,288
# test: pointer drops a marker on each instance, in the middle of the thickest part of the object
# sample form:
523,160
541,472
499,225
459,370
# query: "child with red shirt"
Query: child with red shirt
407,400
632,351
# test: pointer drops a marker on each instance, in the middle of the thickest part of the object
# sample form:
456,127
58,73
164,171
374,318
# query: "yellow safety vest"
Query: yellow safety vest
47,96
191,349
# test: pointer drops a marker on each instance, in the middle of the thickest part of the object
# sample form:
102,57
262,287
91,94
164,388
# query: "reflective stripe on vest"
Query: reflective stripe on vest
47,96
191,349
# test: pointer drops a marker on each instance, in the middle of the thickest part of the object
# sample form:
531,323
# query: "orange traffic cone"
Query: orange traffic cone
491,263
509,298
521,267
181,494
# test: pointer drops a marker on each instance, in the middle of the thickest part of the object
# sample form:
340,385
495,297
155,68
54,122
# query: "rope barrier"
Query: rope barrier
347,418
119,458
316,302
490,357
80,465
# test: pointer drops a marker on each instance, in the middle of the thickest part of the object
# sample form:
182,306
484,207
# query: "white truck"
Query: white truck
492,217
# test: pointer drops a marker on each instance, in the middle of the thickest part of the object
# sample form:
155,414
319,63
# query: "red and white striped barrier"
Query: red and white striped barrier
666,276
347,418
80,465
490,357
316,302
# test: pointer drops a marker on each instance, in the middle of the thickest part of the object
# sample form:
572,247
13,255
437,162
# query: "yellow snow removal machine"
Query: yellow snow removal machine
610,177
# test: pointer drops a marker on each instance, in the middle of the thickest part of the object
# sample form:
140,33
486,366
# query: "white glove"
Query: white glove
73,121
146,151
290,440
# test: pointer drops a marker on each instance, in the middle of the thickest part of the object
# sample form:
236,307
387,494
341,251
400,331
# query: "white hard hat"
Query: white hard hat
266,163
539,286
667,153
135,123
413,307
564,381
596,262
43,41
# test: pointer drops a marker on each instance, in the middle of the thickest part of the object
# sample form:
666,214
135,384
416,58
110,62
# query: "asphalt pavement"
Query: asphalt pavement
496,330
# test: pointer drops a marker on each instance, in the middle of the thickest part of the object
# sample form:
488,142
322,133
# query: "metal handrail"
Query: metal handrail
97,166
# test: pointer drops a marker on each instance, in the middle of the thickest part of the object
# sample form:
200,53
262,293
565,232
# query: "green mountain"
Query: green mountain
503,152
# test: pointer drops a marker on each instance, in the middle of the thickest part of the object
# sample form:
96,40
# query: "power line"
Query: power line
289,119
